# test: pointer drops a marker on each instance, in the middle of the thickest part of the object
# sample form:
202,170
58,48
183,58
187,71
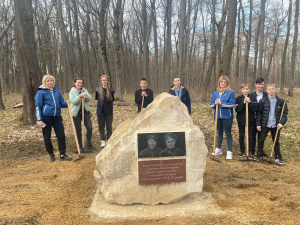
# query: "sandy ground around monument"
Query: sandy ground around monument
35,191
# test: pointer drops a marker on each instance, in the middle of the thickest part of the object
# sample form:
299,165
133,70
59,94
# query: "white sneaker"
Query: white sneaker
229,155
102,144
218,151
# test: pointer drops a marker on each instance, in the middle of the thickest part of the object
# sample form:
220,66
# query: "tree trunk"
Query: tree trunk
294,52
29,66
261,38
156,61
118,49
102,30
229,38
247,35
237,62
182,27
168,52
283,59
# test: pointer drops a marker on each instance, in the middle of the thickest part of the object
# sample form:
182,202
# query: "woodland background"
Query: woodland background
199,40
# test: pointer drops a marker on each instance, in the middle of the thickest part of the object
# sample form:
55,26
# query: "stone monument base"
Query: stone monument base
194,205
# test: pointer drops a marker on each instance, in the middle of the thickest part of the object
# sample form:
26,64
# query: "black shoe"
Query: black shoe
280,161
52,158
90,147
241,154
65,158
263,154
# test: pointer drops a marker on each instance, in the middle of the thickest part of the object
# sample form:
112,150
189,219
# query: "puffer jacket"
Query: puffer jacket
76,101
262,115
185,97
48,103
228,103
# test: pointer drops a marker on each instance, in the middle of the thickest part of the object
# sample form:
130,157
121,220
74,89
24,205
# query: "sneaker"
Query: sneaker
65,158
81,149
90,147
280,161
251,156
258,158
218,151
263,154
241,154
102,144
52,158
229,155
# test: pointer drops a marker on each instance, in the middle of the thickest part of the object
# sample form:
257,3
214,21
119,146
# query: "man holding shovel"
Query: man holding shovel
144,95
271,116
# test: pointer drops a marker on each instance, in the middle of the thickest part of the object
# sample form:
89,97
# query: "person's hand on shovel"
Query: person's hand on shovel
218,102
68,102
247,99
279,126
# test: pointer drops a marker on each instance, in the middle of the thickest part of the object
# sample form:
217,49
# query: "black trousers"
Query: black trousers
57,123
88,126
261,140
105,120
242,128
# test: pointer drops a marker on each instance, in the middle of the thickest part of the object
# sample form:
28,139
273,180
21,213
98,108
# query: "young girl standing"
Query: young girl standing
105,97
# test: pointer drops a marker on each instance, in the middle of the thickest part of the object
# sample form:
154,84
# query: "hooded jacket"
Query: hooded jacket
76,101
228,103
48,103
185,97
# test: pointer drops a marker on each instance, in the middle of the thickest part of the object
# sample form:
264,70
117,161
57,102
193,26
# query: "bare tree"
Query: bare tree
283,59
261,38
294,52
229,38
181,37
28,61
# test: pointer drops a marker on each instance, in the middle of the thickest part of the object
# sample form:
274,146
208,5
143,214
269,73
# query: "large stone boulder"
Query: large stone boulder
117,164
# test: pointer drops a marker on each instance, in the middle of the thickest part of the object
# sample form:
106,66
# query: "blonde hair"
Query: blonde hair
271,85
48,76
245,85
227,81
108,95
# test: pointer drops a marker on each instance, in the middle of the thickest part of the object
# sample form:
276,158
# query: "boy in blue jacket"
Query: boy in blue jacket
225,98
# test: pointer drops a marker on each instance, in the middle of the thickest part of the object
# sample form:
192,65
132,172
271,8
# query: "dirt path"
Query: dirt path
35,191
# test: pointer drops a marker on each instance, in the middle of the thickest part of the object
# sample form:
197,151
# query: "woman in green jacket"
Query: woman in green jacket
77,93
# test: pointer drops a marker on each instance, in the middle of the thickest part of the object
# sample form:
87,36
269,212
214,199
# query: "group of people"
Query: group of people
49,102
264,113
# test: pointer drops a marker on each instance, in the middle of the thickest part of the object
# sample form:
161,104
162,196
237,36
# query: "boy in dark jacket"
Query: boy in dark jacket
258,94
145,93
268,119
240,102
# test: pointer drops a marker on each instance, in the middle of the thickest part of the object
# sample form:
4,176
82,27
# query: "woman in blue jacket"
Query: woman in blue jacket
105,97
179,90
224,97
49,101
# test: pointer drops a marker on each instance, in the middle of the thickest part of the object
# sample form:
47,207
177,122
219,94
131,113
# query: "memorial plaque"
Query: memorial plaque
162,171
163,144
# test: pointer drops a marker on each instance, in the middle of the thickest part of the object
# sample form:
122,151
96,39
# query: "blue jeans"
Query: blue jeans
224,125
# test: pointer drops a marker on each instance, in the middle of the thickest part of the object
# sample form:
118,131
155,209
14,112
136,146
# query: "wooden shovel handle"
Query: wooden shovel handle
73,126
216,126
82,122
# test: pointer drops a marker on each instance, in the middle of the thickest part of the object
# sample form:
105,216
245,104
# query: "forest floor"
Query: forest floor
35,191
